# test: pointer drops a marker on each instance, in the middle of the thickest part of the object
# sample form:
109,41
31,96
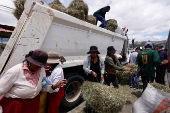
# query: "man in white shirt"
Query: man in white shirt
132,60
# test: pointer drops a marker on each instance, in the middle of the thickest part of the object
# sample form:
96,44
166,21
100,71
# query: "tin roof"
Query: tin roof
4,30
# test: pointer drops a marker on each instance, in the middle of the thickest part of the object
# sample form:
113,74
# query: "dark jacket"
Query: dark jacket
162,56
147,60
101,12
109,63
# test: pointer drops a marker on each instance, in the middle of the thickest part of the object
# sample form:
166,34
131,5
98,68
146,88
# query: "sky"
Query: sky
145,19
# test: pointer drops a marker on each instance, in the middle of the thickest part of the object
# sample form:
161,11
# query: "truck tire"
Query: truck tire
72,92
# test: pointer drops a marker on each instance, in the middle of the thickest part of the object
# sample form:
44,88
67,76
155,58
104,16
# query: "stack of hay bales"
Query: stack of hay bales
78,9
124,76
91,19
56,4
19,4
161,87
102,98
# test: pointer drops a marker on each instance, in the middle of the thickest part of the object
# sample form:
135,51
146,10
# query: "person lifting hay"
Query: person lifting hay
111,65
94,65
100,15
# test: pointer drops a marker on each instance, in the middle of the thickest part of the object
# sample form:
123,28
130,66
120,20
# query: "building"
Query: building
5,33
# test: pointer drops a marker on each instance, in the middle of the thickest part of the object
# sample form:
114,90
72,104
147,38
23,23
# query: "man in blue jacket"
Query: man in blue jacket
160,70
100,15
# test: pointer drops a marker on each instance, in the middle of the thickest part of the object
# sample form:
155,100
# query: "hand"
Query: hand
164,62
138,74
128,68
106,22
102,77
94,74
60,83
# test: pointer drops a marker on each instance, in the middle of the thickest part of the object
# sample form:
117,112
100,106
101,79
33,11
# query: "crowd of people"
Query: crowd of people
97,69
21,85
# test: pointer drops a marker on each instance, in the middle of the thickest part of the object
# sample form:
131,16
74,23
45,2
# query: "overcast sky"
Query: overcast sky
145,19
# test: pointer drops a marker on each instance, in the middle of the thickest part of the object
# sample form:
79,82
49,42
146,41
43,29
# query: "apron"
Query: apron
54,100
17,105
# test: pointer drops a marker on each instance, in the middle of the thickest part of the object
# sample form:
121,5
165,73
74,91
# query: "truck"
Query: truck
41,27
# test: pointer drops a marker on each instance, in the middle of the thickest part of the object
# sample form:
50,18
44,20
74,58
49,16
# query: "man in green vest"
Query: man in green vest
147,60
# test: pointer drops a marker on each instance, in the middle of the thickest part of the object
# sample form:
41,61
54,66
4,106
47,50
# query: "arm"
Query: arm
85,66
7,81
56,77
156,59
110,62
102,66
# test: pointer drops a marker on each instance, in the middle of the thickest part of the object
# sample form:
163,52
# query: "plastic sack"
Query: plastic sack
152,101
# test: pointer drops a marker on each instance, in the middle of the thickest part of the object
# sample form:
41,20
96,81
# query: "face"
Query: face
107,9
112,53
51,65
93,54
33,67
156,48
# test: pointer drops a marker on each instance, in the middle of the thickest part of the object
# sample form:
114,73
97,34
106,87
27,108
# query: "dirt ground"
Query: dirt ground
134,95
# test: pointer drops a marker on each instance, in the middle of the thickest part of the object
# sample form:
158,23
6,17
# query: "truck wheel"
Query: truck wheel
72,93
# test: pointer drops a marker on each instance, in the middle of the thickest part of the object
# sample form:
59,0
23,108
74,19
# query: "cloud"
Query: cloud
144,18
7,17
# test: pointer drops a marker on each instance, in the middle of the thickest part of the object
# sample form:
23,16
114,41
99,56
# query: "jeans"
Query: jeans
101,19
134,83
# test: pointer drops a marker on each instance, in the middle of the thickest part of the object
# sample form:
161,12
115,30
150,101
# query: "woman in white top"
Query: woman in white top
22,84
56,74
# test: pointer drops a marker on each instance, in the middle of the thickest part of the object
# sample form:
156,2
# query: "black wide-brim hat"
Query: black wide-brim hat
37,57
93,49
111,49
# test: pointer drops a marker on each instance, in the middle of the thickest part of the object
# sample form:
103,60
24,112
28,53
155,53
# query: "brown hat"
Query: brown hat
54,57
37,57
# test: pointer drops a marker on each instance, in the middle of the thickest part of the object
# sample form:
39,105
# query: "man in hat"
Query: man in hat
94,65
160,70
147,60
111,65
132,60
100,15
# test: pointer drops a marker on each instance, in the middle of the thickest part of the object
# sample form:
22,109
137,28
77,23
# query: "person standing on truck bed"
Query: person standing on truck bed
22,84
147,60
100,15
160,70
111,65
55,96
94,65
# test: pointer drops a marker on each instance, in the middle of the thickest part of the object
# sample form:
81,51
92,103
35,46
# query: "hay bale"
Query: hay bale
161,87
103,98
111,25
91,19
124,76
78,8
19,4
56,4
